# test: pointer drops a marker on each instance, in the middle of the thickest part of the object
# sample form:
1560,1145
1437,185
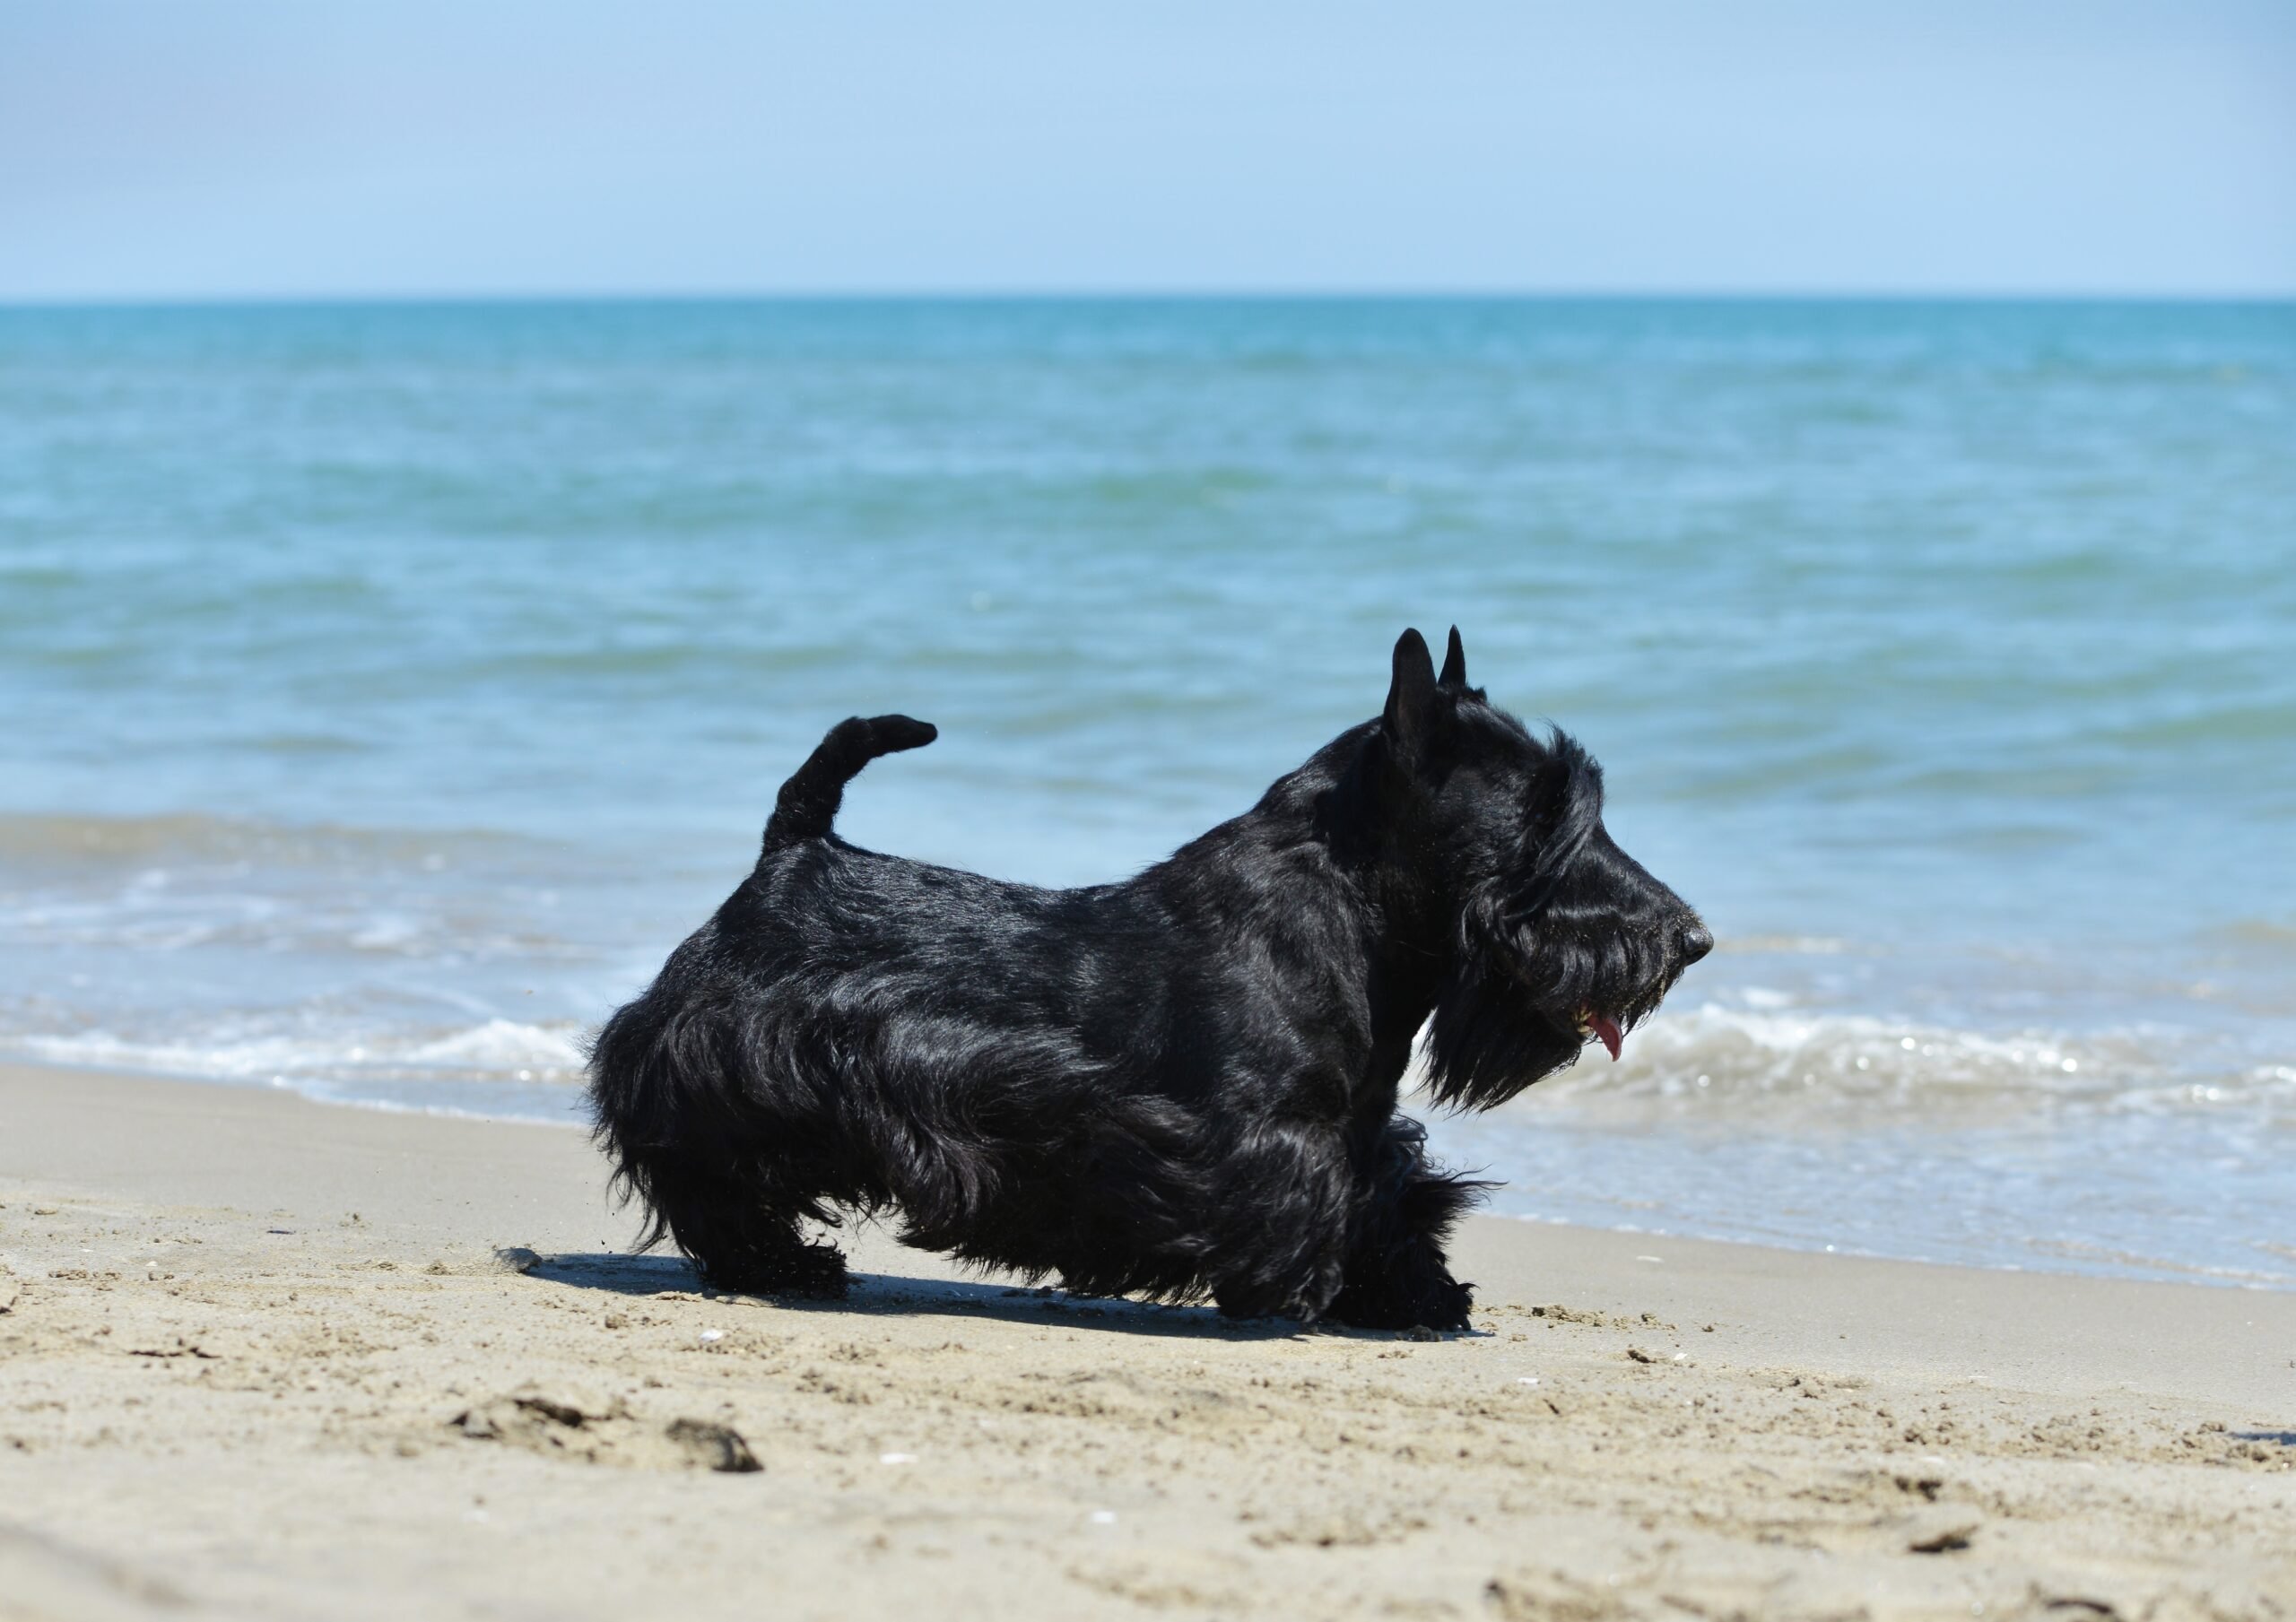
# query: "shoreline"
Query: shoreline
261,1356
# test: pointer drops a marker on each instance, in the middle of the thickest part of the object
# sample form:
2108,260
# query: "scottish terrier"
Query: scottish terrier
1178,1086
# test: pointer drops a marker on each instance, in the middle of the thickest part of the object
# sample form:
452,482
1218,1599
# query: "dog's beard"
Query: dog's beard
1487,1043
1526,998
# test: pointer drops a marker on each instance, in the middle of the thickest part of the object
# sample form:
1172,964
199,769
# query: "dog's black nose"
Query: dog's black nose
1695,943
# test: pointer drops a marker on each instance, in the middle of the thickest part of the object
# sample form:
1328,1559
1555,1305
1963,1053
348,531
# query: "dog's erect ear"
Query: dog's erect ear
1455,663
1410,695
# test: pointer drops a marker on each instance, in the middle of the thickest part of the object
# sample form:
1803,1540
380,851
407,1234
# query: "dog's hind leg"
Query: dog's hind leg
1395,1275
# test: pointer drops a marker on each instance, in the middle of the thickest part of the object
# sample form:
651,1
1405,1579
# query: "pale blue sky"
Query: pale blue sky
206,148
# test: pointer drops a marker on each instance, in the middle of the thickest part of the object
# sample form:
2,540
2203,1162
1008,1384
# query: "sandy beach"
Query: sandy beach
262,1358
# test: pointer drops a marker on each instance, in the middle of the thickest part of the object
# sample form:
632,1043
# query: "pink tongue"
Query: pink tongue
1607,1031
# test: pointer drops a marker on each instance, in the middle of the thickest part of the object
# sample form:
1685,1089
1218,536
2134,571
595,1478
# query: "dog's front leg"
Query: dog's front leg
1284,1198
1396,1276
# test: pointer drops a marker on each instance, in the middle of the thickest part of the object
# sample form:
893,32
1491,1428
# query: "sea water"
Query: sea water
386,688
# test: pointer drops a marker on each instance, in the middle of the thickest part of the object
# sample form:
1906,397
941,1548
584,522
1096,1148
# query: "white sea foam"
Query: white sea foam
255,1059
496,1050
504,1044
386,932
1764,1059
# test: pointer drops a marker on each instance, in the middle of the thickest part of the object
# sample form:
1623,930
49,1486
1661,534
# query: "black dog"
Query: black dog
1181,1085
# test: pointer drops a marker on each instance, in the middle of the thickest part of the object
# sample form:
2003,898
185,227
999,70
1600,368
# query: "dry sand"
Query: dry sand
259,1358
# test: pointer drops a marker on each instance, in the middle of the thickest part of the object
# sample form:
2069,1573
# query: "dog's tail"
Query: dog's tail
808,804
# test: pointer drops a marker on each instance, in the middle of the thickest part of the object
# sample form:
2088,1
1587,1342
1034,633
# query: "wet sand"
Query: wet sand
261,1357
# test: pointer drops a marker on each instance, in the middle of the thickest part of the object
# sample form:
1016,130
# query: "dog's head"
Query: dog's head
1494,837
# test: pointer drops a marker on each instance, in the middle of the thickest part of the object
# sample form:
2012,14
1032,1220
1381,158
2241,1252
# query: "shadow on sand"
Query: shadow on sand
886,1294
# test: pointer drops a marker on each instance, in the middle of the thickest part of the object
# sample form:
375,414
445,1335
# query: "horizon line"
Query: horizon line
1494,295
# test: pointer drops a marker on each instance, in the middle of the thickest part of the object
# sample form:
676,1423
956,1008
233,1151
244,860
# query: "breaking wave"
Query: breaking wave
1788,1070
495,1050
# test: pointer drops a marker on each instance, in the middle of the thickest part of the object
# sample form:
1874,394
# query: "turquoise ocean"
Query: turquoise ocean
385,689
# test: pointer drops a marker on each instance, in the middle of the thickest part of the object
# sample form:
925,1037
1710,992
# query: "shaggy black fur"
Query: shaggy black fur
1180,1085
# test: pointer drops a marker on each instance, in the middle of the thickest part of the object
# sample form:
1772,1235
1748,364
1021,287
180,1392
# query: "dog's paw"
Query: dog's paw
1440,1305
811,1273
1448,1308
